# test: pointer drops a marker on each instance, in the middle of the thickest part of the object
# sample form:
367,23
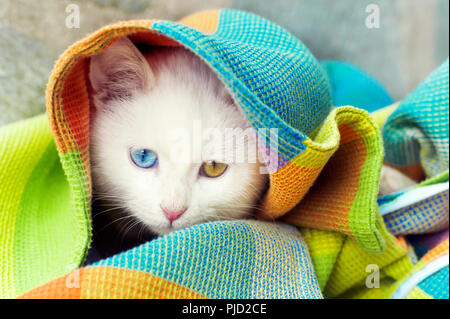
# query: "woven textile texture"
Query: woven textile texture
416,133
217,260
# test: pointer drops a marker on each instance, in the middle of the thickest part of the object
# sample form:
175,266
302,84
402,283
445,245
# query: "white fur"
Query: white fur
177,90
392,181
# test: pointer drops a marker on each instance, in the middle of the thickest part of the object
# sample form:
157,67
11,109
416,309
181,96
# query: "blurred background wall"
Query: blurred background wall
411,40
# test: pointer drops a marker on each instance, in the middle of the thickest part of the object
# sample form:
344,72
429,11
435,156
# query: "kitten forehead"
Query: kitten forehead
183,100
163,121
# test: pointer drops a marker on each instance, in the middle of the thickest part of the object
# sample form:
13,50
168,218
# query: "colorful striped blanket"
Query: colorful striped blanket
329,239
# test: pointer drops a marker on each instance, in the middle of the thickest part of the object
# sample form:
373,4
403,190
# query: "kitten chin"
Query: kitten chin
141,100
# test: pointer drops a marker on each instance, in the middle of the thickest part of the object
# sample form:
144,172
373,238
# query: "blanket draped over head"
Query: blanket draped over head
324,164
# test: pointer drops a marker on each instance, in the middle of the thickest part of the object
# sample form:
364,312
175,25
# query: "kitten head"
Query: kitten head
167,141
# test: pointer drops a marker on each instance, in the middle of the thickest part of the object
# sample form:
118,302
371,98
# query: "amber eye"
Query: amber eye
213,169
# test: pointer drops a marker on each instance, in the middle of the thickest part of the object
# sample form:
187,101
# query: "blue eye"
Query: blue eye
144,158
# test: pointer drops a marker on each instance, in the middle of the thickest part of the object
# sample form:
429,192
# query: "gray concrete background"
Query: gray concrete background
411,41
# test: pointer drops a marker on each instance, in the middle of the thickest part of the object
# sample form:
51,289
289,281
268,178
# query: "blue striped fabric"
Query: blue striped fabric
417,132
437,285
425,216
238,259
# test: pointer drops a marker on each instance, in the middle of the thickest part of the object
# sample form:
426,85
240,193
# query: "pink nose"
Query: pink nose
173,214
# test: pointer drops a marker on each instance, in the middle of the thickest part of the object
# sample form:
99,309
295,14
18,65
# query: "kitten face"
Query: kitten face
174,114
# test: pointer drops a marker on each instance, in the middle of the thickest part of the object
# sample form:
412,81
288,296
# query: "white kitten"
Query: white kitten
146,108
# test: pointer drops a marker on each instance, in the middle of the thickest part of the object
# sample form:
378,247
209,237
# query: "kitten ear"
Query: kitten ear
119,72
